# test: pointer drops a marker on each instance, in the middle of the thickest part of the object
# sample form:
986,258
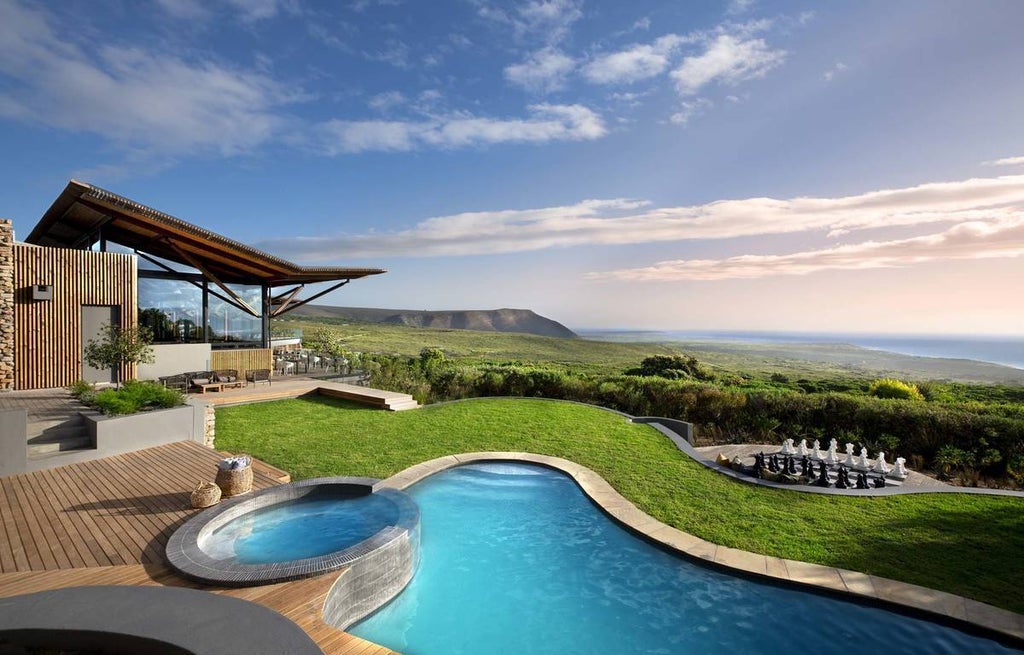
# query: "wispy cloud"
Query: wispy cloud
387,101
1005,161
543,71
363,5
690,109
625,221
257,10
1001,237
548,21
184,9
737,7
728,59
636,62
839,67
139,99
545,123
394,52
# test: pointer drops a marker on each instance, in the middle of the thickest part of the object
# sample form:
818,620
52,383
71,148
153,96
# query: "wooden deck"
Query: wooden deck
293,387
107,522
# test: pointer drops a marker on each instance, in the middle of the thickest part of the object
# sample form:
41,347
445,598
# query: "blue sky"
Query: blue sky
841,166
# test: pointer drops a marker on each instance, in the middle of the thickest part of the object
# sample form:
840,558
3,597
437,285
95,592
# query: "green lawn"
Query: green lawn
965,544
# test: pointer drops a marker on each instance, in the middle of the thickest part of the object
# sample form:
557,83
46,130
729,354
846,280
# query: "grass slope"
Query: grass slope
968,545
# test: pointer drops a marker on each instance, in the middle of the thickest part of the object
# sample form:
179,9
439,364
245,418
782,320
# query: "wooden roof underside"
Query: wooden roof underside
82,211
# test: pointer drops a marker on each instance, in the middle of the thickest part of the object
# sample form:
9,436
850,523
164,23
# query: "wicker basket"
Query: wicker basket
235,482
206,494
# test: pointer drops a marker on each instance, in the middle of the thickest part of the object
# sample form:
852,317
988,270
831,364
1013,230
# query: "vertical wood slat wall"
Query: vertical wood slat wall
48,333
242,360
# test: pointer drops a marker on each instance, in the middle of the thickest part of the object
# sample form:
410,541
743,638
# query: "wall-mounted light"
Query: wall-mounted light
42,292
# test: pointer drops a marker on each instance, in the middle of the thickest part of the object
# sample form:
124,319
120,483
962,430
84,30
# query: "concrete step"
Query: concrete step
43,427
58,434
51,447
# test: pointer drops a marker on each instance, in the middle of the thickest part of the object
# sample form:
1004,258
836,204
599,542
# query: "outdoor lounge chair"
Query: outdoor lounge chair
229,378
178,382
256,375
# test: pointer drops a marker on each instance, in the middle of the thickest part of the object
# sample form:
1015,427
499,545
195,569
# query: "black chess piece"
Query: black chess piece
822,480
790,466
773,464
759,459
842,479
758,471
862,481
805,464
879,483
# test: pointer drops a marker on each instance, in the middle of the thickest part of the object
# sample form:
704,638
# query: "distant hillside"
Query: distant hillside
488,320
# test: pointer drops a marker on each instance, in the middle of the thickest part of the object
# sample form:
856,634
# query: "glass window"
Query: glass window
172,309
230,325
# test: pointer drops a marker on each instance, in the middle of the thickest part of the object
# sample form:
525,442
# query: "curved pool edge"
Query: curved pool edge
188,559
945,607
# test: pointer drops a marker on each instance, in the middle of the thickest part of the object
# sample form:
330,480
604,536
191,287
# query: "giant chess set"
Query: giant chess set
809,465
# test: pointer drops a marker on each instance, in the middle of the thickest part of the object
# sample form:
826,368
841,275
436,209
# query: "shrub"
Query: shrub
890,388
135,397
82,390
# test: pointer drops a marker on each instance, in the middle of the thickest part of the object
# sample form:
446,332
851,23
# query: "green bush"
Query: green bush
890,388
134,396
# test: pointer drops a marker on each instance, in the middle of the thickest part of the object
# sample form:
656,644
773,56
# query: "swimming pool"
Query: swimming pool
515,559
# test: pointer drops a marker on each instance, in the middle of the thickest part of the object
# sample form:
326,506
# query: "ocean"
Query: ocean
1008,351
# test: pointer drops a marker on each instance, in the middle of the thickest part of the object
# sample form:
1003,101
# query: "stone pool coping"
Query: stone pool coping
948,608
187,558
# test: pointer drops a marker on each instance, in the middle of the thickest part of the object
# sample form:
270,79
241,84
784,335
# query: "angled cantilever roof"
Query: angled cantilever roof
81,211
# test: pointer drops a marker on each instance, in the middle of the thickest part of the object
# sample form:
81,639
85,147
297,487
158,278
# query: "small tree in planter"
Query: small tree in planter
118,346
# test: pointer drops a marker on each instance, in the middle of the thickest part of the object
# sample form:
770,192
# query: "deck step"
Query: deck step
402,405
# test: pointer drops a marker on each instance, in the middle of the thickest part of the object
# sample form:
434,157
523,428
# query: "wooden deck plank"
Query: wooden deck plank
74,493
78,525
39,555
20,543
66,533
121,489
130,541
8,533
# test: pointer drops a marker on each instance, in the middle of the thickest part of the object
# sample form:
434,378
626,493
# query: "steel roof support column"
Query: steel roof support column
206,311
265,312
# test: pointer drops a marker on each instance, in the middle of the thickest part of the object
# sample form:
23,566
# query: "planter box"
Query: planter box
113,435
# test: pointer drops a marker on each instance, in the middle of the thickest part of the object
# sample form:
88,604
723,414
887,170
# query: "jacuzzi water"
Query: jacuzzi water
515,559
308,527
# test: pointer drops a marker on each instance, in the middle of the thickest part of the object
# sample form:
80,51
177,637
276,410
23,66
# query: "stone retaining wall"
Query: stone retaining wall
6,305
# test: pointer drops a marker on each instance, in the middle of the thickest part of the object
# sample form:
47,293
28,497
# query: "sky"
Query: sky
734,165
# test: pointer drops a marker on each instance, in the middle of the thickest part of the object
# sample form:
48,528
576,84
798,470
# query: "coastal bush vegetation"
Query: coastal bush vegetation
894,389
932,540
735,400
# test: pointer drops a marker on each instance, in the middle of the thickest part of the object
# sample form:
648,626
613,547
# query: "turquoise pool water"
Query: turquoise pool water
308,527
515,559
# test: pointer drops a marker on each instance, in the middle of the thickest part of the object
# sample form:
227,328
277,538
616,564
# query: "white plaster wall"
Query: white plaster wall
174,358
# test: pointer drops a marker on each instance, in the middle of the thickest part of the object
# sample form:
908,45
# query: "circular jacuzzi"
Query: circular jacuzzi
294,531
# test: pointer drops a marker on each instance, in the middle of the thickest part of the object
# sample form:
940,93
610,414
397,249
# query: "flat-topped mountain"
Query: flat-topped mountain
485,320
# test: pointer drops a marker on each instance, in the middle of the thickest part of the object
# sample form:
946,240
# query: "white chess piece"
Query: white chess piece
801,450
849,456
880,466
831,458
899,470
787,447
816,451
862,463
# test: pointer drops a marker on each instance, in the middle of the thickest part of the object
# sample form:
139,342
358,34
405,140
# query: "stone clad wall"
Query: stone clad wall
6,305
